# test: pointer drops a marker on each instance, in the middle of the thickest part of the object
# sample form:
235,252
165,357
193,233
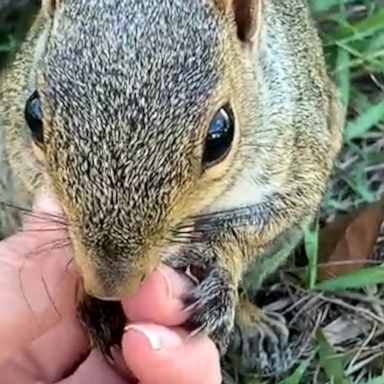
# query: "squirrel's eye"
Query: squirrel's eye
220,135
33,117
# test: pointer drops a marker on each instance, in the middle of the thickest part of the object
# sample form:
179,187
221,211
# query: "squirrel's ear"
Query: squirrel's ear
49,6
247,15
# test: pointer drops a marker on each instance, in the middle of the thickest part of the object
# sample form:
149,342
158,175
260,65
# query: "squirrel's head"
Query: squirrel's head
143,113
136,119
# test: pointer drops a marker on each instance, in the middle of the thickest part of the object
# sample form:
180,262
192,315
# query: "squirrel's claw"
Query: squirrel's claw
212,301
262,342
212,305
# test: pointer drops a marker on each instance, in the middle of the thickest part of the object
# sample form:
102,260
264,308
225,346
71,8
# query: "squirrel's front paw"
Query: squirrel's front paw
261,340
212,301
212,304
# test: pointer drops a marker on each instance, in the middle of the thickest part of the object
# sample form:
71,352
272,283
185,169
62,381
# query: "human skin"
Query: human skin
41,340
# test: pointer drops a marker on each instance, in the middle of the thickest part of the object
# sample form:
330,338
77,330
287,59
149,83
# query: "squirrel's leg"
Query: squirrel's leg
220,260
261,338
262,342
104,321
213,300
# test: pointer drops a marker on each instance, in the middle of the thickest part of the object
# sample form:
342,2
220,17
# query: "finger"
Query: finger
159,299
50,357
36,297
45,202
96,370
38,285
173,357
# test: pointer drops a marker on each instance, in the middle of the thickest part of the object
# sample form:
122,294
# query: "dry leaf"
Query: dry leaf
346,328
347,244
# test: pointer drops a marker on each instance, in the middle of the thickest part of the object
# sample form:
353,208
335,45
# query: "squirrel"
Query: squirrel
199,134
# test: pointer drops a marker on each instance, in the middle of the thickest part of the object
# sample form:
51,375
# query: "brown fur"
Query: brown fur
128,89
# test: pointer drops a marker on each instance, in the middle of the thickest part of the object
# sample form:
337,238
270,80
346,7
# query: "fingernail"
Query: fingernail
152,337
159,338
167,282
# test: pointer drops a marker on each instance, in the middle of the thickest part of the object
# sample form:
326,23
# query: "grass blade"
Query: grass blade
365,121
325,5
358,279
311,244
299,372
330,361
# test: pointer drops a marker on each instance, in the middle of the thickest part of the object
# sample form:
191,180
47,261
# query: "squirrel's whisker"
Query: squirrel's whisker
42,216
49,246
41,230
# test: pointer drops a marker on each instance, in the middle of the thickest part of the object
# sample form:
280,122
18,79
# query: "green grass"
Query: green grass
353,36
354,44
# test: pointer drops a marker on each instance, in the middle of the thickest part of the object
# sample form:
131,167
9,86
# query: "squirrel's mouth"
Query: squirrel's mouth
105,298
132,285
111,286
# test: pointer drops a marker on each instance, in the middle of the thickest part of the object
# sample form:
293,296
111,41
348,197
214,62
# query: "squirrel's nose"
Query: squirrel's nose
109,248
113,293
111,271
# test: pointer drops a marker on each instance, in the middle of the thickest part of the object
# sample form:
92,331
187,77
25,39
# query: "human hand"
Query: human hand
42,341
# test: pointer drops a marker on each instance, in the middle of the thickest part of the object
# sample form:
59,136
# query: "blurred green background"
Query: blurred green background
353,36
